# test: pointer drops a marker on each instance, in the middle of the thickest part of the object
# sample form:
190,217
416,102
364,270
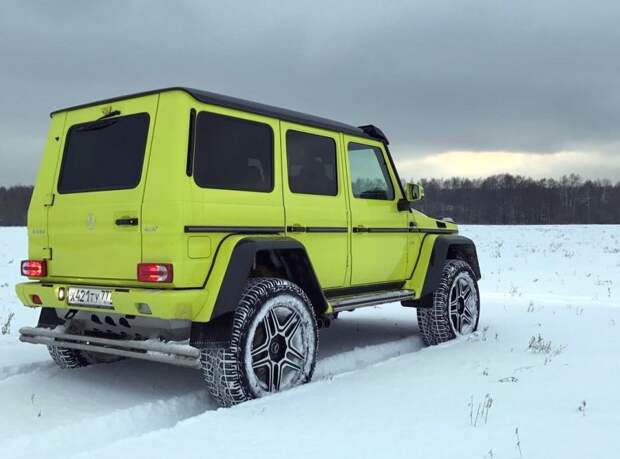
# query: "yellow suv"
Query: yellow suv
207,231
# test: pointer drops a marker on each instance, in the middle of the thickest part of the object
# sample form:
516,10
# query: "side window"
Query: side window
369,175
311,164
233,154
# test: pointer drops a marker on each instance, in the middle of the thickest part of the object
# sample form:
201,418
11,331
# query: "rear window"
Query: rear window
104,155
233,153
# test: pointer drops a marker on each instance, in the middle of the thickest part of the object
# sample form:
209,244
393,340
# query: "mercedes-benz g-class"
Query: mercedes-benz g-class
202,230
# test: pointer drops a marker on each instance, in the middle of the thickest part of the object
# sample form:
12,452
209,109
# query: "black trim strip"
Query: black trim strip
433,231
317,229
296,229
235,229
364,229
308,229
327,229
388,230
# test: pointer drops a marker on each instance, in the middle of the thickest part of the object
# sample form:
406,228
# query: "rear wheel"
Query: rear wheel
272,348
74,358
67,358
455,309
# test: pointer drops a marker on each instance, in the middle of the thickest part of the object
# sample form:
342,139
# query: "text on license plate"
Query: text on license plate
90,297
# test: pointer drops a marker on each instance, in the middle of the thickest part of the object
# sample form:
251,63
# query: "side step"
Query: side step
348,302
153,350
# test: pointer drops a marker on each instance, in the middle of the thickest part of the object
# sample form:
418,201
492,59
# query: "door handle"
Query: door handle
360,229
296,228
127,221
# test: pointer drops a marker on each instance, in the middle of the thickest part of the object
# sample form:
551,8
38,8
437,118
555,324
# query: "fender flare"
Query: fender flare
449,247
241,262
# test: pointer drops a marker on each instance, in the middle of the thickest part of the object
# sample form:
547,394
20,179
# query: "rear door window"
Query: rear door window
104,155
233,153
311,164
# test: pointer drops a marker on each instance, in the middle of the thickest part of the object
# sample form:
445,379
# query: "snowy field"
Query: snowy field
541,378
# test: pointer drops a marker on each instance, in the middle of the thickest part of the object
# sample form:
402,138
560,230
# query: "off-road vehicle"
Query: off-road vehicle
201,230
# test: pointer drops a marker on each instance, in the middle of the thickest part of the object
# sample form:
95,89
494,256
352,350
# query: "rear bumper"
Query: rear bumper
163,304
156,351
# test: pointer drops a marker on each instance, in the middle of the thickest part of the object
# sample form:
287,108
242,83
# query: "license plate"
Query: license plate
86,296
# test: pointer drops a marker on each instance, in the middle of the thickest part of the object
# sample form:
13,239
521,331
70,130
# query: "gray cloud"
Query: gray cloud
436,76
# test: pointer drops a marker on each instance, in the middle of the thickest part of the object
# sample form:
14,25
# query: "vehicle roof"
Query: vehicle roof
221,100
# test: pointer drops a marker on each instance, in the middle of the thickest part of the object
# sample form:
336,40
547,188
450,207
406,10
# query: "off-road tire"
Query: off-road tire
434,322
68,358
74,358
224,364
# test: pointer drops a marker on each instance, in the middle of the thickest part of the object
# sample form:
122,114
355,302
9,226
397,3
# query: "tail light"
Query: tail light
154,272
34,268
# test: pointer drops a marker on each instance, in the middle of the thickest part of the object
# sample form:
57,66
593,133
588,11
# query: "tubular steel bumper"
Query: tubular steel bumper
156,351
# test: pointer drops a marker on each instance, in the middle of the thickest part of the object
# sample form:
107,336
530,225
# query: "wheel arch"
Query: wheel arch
451,247
285,258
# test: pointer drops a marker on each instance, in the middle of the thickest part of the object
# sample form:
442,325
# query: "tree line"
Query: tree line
509,200
499,200
14,205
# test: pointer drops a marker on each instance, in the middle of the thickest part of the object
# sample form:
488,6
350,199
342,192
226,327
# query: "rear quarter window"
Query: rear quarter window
104,155
233,153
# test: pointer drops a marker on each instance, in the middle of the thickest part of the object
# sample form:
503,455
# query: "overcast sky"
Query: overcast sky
460,87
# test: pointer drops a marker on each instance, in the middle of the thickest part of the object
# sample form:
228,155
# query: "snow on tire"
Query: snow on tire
273,344
67,358
455,307
74,358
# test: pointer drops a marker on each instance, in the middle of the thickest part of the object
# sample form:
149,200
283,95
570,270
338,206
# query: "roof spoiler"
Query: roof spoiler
375,132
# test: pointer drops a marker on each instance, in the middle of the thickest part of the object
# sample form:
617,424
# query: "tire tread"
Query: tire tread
434,322
222,367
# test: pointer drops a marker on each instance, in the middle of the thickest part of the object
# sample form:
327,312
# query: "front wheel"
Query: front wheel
273,344
455,309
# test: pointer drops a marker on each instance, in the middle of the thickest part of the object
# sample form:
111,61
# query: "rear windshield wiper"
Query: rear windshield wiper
110,114
96,125
100,123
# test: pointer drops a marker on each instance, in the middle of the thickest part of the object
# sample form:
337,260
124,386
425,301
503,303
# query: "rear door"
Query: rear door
315,199
95,220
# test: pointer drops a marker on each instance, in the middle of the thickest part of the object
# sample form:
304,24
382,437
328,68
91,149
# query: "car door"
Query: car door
379,230
94,219
315,199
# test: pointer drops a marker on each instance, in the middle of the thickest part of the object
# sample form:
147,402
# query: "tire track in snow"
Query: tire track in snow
92,433
362,357
346,362
11,371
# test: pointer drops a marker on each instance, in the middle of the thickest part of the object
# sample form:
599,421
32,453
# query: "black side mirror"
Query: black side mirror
404,204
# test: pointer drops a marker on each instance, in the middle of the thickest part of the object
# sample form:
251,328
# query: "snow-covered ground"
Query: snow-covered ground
377,392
